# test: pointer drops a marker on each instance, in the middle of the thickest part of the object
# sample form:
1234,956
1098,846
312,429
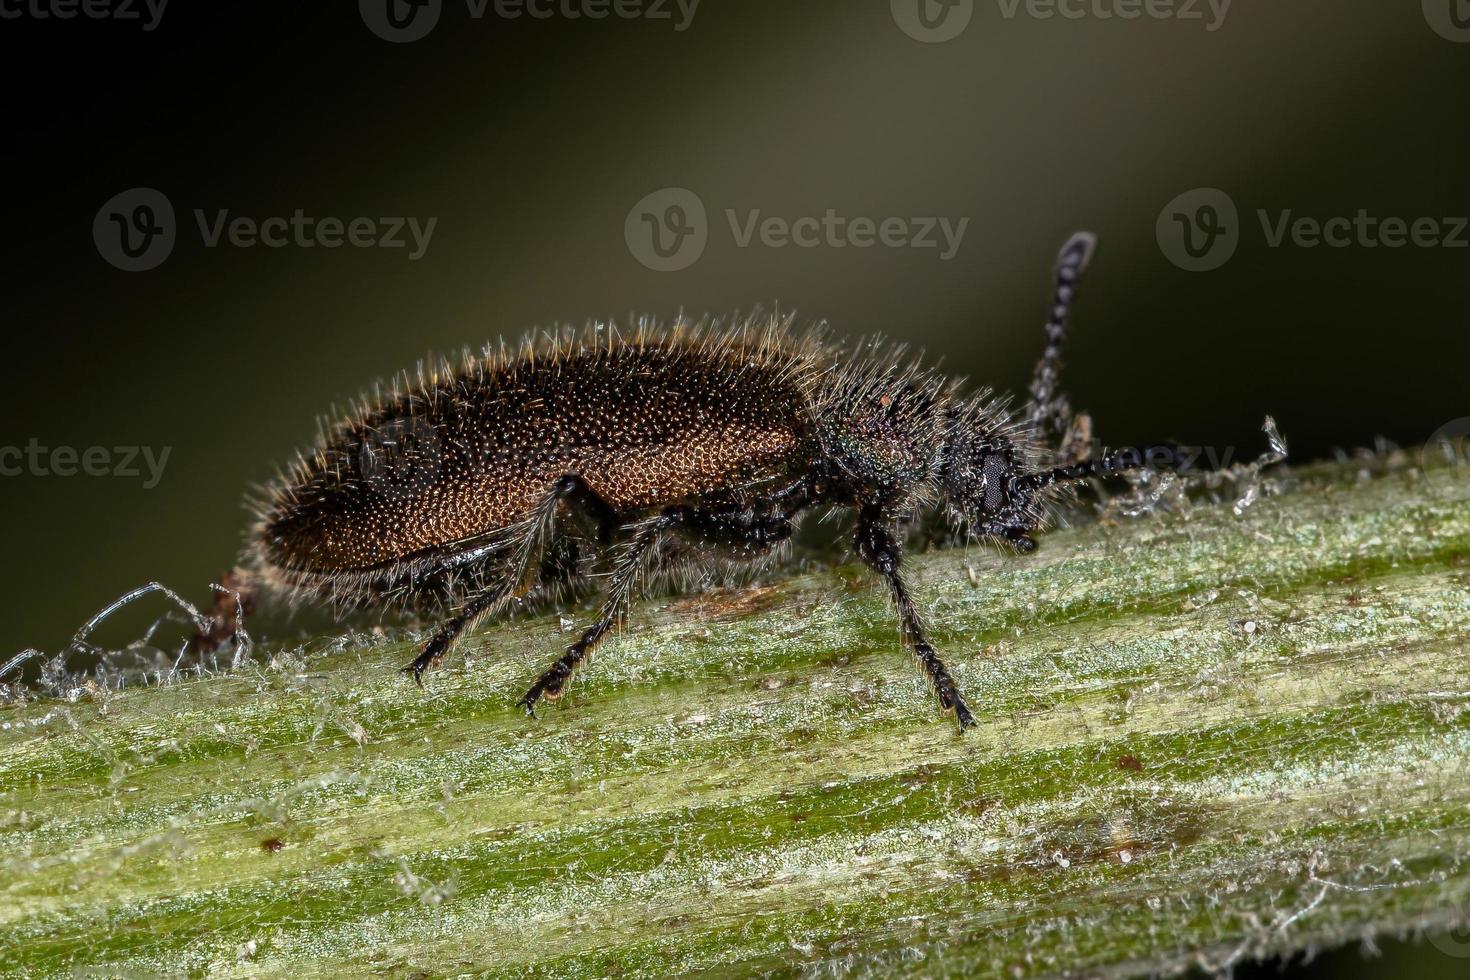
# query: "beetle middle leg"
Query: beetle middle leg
525,552
749,531
878,546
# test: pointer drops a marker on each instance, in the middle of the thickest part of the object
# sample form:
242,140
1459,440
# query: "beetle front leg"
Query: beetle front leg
877,545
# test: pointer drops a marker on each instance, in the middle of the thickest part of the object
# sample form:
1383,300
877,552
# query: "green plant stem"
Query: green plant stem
1203,737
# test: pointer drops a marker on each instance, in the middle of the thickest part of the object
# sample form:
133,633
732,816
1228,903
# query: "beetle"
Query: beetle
468,485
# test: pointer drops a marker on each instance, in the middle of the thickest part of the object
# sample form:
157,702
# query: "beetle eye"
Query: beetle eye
993,481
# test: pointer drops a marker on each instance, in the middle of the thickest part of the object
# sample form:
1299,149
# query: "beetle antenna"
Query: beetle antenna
1164,455
1046,405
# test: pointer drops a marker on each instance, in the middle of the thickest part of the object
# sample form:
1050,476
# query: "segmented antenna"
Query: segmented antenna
1046,407
1164,455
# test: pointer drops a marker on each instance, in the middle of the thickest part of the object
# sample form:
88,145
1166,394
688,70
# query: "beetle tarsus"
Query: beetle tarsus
962,715
416,669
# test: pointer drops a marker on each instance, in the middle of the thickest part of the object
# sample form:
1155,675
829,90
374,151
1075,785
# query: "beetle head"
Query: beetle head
982,478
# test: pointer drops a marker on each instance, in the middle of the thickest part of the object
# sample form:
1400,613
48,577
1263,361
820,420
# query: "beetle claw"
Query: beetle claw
529,703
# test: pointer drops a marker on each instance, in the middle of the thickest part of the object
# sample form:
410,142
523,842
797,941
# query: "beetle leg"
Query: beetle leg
878,546
750,531
481,605
624,572
525,551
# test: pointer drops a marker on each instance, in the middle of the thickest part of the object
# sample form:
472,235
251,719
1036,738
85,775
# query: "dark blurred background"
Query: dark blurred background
531,141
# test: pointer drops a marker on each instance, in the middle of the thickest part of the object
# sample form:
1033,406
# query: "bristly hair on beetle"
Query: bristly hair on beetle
470,486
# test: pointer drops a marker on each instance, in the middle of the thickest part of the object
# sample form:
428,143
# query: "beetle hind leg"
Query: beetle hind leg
527,550
478,607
